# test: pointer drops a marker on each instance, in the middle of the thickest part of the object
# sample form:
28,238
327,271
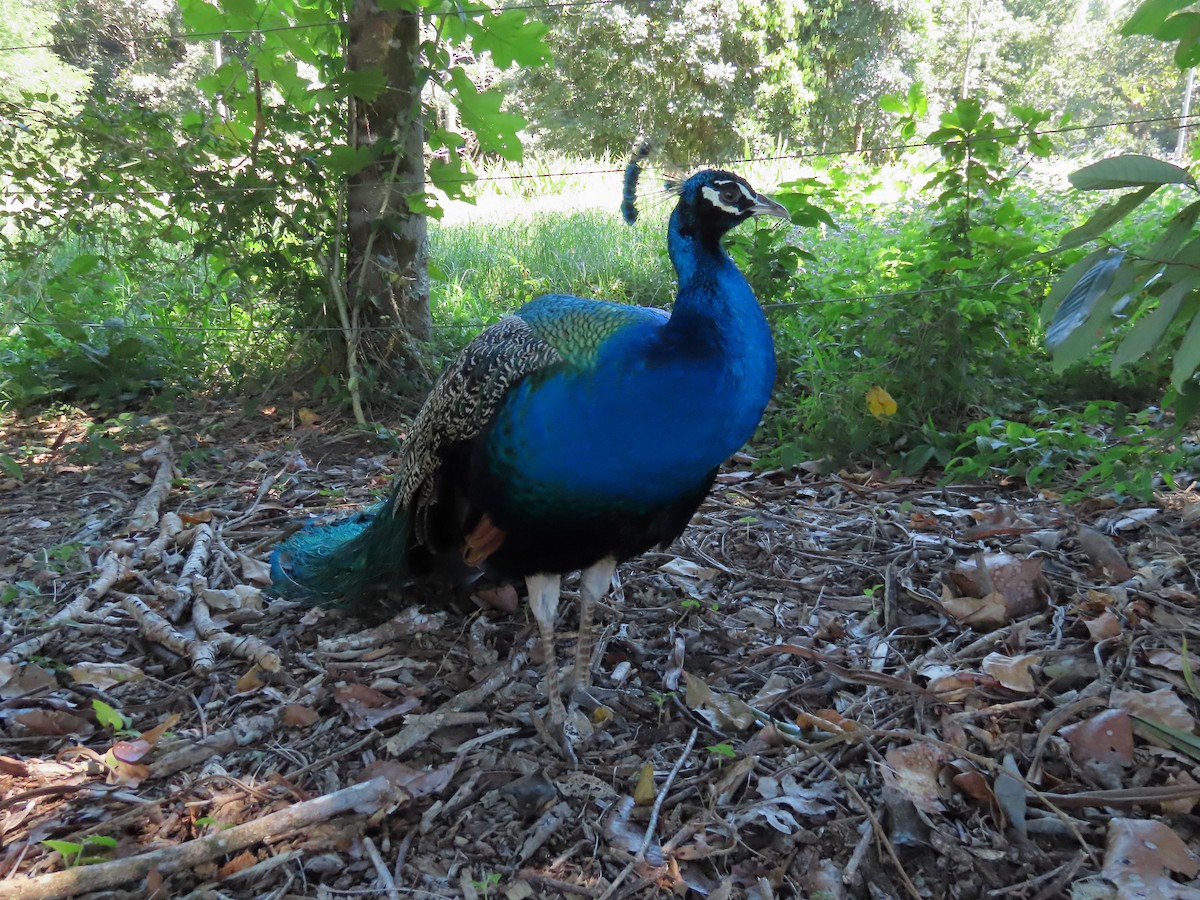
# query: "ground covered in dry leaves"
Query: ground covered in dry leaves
831,686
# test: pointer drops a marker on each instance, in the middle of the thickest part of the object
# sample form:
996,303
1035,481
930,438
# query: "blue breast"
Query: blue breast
663,403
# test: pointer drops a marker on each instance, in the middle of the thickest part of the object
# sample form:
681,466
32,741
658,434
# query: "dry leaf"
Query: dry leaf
912,771
981,613
130,751
255,570
307,417
1018,581
54,722
1104,626
251,680
297,716
1106,738
645,791
1163,706
722,710
1140,856
17,680
1012,671
103,676
241,596
1169,659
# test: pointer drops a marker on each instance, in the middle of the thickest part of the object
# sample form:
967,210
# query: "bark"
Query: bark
388,250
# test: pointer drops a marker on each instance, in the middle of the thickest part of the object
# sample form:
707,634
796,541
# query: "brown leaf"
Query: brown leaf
645,790
296,715
722,710
17,680
1140,856
130,751
1163,706
1012,671
1018,581
981,613
54,722
1106,738
155,734
103,676
912,771
1104,626
250,681
196,518
1104,554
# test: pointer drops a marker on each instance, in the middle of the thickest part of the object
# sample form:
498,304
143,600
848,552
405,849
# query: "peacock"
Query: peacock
572,435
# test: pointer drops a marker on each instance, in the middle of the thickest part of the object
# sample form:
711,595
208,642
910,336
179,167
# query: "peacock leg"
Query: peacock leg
543,602
597,579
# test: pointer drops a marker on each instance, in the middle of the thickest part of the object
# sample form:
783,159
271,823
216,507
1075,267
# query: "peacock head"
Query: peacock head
713,201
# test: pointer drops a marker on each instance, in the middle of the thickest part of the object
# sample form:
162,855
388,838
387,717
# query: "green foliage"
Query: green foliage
701,79
1101,447
108,717
958,292
73,852
1138,301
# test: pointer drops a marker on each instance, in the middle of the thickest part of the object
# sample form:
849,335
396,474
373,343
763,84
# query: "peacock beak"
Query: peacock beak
768,207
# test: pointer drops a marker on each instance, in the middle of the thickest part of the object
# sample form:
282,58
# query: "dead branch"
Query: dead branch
154,627
112,569
217,638
406,622
415,732
170,527
367,798
145,514
241,734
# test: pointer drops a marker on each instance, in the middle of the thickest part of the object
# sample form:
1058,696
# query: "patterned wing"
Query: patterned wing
465,398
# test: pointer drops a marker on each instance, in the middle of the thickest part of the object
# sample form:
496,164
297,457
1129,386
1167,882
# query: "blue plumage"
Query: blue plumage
572,435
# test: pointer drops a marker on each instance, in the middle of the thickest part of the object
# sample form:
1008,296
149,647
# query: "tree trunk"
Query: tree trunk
387,279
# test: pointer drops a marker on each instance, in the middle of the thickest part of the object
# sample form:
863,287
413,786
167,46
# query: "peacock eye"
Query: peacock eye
731,194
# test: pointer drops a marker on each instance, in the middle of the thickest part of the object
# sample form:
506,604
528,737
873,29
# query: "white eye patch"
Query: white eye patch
713,196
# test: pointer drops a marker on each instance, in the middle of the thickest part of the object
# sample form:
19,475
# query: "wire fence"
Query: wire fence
1181,121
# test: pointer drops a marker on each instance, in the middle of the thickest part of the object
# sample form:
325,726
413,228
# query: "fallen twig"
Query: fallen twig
366,798
417,731
652,825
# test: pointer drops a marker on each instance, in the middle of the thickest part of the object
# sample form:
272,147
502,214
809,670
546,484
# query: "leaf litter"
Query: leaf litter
830,685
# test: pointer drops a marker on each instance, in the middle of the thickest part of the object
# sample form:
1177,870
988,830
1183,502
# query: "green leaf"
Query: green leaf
496,131
11,467
1149,17
1079,302
1129,170
1179,228
1187,356
107,716
239,12
345,160
84,263
1101,220
893,103
1148,332
202,17
1183,741
510,38
1066,281
366,84
68,849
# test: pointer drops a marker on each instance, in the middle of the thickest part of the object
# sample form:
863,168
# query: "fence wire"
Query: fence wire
216,190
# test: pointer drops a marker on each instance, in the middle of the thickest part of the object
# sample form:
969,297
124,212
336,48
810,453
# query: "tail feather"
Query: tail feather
343,563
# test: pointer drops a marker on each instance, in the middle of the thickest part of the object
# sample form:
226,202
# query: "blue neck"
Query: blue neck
715,304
